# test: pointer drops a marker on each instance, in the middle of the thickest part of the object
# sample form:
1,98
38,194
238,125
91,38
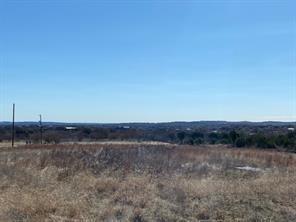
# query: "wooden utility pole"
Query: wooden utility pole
12,129
40,126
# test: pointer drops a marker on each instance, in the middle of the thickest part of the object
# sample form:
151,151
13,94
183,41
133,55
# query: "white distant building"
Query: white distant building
291,129
70,128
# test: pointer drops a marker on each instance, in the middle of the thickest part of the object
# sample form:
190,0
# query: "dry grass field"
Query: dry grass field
146,182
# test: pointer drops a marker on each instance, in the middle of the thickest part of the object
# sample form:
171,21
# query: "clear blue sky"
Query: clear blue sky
122,61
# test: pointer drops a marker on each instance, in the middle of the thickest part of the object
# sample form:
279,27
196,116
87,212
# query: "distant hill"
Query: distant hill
177,124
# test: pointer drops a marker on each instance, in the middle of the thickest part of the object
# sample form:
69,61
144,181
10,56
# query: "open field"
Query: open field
7,144
146,182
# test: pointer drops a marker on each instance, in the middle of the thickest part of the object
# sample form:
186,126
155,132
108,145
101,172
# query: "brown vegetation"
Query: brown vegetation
140,182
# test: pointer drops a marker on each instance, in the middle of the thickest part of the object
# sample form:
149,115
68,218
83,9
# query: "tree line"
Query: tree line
285,141
237,138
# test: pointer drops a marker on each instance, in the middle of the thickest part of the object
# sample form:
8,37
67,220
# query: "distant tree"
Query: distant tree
263,142
224,138
240,142
281,140
171,136
21,133
233,136
86,131
250,141
103,134
213,138
197,135
34,137
181,136
52,137
198,141
188,140
196,138
80,136
290,141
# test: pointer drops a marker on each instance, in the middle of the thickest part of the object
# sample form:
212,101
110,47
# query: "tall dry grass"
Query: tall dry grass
145,183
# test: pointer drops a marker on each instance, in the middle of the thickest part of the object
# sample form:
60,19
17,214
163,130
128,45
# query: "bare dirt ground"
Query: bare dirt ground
145,182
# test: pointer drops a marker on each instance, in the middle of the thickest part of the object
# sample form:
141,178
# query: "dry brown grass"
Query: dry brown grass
112,182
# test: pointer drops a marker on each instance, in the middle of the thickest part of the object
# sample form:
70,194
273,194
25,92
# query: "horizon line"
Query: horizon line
156,122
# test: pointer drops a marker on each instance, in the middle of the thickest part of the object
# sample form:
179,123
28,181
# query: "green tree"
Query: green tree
240,142
233,136
181,136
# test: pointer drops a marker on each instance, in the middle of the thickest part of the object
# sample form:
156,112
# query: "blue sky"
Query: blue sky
148,61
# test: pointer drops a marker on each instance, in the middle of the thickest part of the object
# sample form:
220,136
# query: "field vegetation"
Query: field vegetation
142,182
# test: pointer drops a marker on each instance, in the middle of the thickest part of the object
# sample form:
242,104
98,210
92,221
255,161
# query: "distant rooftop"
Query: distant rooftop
70,128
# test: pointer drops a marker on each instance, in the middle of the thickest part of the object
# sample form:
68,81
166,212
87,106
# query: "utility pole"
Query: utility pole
40,126
12,129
